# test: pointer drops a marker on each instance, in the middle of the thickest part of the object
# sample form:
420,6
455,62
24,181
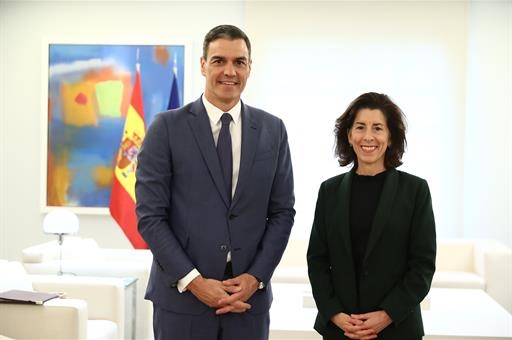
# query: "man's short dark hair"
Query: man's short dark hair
229,32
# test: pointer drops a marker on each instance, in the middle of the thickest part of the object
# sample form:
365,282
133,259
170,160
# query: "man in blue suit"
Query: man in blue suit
215,243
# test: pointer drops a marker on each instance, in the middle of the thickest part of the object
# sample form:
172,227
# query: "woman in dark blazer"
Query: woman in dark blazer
371,254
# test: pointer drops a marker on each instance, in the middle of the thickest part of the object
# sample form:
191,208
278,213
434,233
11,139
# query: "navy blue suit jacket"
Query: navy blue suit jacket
184,213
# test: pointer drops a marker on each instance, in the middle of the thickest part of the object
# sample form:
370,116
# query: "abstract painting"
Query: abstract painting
89,93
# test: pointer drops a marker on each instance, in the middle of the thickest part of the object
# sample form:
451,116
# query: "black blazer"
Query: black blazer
399,261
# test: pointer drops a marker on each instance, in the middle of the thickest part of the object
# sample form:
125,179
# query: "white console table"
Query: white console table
448,314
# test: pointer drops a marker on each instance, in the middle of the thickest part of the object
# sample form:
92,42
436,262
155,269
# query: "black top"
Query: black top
364,198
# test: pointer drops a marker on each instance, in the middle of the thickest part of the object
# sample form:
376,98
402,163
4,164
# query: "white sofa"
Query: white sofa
90,309
460,263
84,257
475,263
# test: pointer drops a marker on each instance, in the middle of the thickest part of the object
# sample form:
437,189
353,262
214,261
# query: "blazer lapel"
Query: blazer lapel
342,215
250,136
383,210
200,124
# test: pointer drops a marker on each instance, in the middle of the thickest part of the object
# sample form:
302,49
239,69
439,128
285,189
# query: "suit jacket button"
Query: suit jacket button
223,247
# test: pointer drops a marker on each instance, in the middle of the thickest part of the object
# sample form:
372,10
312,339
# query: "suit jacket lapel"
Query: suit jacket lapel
384,209
250,136
200,124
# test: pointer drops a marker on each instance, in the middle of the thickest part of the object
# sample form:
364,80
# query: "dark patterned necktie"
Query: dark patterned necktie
225,153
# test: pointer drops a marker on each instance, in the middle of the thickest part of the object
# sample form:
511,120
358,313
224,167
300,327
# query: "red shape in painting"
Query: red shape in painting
81,99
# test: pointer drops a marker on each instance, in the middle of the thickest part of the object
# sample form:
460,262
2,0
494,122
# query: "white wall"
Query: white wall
310,59
309,68
487,196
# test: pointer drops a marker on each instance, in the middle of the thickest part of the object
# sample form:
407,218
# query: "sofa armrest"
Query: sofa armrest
104,295
493,260
55,319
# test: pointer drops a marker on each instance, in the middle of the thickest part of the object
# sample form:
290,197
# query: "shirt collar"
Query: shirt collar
214,113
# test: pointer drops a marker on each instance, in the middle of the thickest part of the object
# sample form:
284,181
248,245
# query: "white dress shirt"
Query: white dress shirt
235,129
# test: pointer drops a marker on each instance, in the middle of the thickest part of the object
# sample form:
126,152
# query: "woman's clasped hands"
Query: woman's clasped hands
362,326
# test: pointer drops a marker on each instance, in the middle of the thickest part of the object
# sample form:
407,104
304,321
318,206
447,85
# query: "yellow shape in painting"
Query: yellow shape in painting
103,176
59,181
78,104
109,96
133,135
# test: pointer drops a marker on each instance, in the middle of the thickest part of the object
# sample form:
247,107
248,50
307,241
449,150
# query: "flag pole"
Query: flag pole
174,98
175,65
137,62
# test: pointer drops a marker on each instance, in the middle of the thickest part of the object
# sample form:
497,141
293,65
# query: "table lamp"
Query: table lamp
60,222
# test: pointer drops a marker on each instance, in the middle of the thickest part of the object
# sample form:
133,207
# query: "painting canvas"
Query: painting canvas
89,93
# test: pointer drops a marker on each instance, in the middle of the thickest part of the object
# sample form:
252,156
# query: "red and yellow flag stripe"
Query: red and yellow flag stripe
122,201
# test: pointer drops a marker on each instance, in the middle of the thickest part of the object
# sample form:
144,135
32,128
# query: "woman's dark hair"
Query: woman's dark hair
395,120
229,32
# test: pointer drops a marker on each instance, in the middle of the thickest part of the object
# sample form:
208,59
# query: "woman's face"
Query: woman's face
369,137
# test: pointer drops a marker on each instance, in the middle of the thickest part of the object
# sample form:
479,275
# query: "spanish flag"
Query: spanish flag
122,199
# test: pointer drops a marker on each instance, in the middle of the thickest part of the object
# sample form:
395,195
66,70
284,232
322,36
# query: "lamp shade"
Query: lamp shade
60,221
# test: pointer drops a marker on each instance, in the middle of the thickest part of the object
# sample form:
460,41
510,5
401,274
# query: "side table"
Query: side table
130,305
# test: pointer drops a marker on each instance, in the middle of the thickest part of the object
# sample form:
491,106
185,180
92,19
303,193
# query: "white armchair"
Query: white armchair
93,308
83,256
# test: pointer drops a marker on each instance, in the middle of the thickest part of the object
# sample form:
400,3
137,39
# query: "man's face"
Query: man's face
226,69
